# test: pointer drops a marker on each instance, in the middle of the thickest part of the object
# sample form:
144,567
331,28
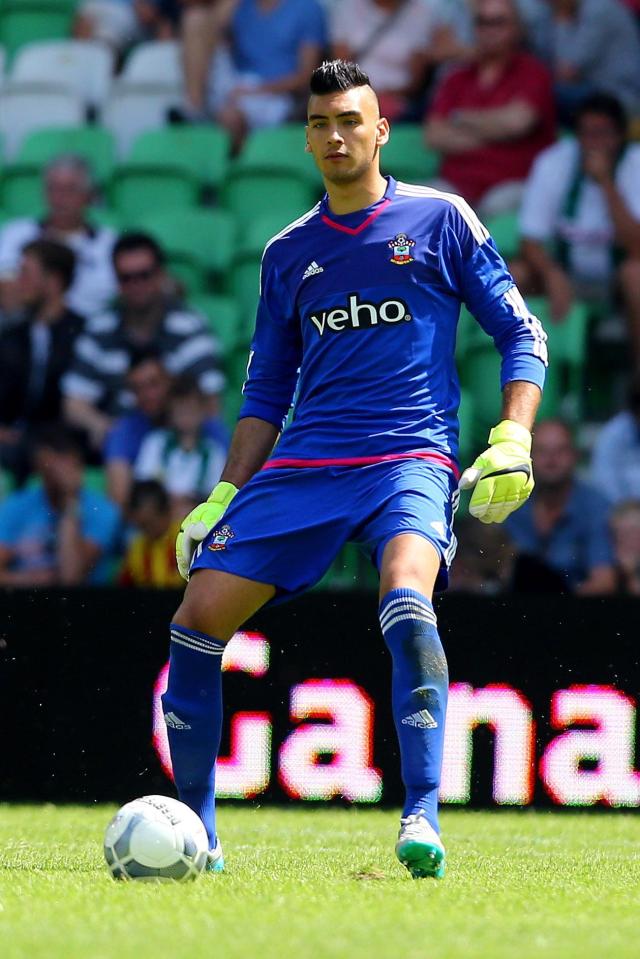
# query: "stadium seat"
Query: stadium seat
243,283
567,343
32,107
139,188
83,67
504,231
563,392
202,151
155,64
278,150
27,21
263,228
223,318
406,156
249,195
199,243
236,370
21,185
131,111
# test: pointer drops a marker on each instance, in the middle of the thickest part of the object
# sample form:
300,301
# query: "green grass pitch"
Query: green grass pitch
313,884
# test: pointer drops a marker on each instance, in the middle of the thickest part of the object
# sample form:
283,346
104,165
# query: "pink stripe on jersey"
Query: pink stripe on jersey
353,231
432,455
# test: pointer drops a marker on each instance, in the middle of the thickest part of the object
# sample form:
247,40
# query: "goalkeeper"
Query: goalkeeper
360,300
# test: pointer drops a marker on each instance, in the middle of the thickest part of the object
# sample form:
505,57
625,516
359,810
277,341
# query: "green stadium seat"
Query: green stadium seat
138,188
201,152
251,194
21,188
243,283
278,150
223,317
407,157
25,21
563,393
567,343
235,367
263,228
95,479
504,230
199,243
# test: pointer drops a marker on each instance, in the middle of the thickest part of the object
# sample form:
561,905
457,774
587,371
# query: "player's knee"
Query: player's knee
629,274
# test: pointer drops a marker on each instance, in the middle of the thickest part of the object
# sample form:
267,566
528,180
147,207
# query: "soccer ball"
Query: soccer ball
156,838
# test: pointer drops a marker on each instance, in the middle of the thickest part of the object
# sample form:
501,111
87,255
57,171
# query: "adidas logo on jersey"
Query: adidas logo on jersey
421,720
359,315
175,722
312,269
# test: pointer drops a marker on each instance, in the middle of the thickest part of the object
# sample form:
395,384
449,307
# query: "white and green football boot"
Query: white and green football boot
419,848
215,861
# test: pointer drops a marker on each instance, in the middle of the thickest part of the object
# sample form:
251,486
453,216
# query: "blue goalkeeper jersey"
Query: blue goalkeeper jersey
357,317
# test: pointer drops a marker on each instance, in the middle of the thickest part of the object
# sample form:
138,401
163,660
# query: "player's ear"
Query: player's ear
383,131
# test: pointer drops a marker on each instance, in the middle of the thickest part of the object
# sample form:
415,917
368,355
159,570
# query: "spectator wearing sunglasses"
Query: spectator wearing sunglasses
491,118
147,317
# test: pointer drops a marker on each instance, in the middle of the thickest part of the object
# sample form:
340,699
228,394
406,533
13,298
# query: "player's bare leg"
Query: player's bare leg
218,603
215,604
409,568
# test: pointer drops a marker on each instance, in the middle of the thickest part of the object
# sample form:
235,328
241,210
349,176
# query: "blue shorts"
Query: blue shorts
286,526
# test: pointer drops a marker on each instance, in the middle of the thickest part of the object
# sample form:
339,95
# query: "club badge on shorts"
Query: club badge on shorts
222,536
401,246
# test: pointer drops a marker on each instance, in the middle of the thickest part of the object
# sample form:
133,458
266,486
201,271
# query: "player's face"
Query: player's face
554,455
345,132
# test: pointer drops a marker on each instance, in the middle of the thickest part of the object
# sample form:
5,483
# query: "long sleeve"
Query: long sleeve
478,275
276,352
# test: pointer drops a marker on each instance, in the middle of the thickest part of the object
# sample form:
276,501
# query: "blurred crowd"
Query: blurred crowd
112,415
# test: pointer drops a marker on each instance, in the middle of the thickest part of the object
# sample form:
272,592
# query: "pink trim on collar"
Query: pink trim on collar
351,230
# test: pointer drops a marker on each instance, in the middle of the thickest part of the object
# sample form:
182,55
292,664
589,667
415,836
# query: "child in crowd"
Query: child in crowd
151,559
182,457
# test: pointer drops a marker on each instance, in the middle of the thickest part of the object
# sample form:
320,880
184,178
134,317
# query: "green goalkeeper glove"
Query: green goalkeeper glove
502,476
199,522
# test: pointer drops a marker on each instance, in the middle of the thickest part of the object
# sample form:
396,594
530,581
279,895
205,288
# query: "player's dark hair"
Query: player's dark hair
332,76
54,258
132,242
604,104
149,491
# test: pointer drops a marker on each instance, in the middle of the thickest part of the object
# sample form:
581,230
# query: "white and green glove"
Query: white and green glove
502,476
199,522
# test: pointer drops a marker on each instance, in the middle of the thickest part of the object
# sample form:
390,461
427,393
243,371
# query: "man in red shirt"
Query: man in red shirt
490,119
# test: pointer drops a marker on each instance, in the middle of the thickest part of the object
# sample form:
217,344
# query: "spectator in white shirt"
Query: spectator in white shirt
390,41
580,217
68,189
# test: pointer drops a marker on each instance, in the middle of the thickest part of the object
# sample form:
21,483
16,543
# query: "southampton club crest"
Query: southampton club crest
221,538
401,246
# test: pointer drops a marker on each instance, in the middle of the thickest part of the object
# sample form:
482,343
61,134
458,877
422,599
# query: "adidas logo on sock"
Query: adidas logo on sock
176,723
421,720
312,269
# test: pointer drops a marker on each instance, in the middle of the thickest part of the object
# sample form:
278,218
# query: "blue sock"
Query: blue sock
192,708
419,689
